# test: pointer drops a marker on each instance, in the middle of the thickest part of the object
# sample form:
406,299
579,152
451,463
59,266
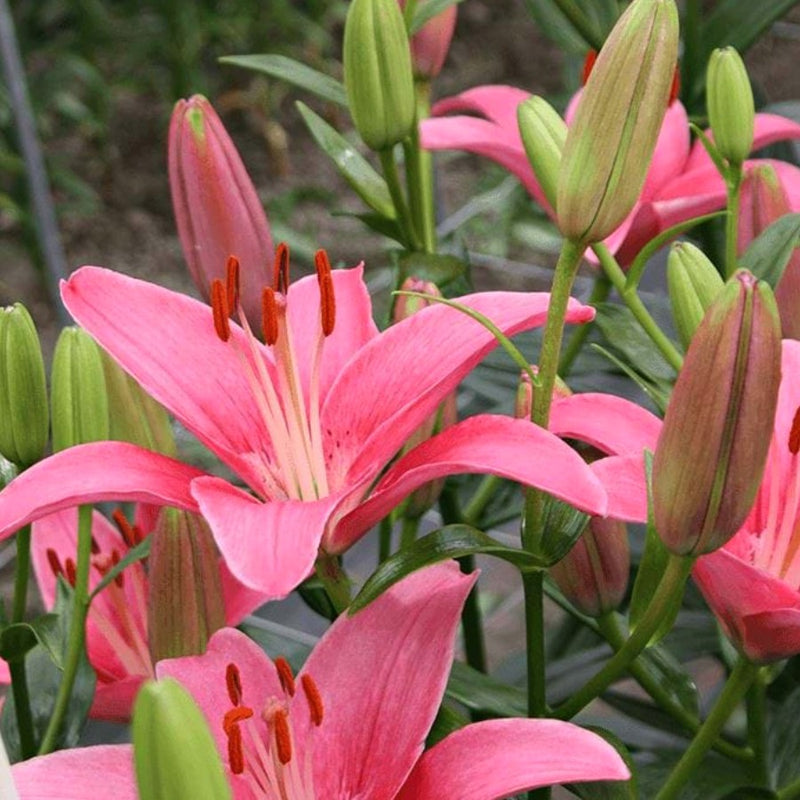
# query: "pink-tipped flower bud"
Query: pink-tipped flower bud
763,201
523,403
216,206
713,446
429,45
185,605
593,576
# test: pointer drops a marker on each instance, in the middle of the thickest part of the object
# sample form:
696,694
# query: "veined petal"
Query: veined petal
381,675
625,483
496,102
94,473
269,547
396,381
511,448
113,701
502,757
671,152
239,599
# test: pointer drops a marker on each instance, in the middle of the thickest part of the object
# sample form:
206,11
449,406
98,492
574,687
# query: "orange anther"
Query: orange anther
283,738
69,571
53,561
235,750
115,559
94,546
219,306
794,434
232,282
280,274
311,691
269,315
125,528
233,680
588,66
327,300
234,716
285,675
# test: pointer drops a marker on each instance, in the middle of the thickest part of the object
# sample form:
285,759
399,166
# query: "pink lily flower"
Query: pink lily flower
752,583
353,722
429,46
309,421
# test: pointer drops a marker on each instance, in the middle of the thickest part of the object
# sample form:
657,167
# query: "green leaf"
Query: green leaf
769,253
557,26
16,640
669,672
783,734
609,790
294,72
741,22
440,268
138,553
353,167
447,721
657,392
561,525
452,541
276,640
375,222
479,692
427,11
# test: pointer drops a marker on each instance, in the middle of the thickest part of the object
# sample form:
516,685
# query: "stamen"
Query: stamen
283,738
69,570
269,316
94,546
235,750
280,274
137,534
53,561
588,66
232,282
115,559
285,675
794,434
675,89
233,680
219,306
233,717
327,300
125,528
314,698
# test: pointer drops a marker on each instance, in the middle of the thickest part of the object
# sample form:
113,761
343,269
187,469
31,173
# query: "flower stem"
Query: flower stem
404,219
22,707
733,183
482,497
672,584
600,292
757,728
789,792
334,579
408,531
632,300
77,631
744,673
21,574
385,539
419,173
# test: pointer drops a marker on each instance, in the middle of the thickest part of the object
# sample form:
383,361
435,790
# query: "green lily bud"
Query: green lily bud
543,133
523,404
78,391
133,415
593,576
24,417
710,456
173,750
377,73
185,604
611,141
731,111
693,283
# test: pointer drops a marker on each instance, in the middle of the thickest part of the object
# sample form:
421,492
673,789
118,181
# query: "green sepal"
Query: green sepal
769,253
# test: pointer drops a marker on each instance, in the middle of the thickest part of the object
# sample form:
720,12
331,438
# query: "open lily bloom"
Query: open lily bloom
353,722
308,421
753,583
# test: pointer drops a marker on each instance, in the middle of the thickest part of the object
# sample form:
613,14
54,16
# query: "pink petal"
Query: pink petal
95,473
411,367
78,774
239,599
269,547
114,701
499,758
624,480
497,445
612,424
381,675
671,152
496,102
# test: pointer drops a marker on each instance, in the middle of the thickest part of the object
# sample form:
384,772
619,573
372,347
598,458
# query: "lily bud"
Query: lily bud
79,402
694,284
185,604
710,456
24,417
593,576
173,750
731,111
763,200
523,404
429,45
377,73
543,133
216,206
611,141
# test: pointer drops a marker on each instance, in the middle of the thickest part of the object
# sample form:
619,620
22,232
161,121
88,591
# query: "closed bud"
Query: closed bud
79,402
543,133
763,200
731,111
429,45
523,404
593,576
216,206
377,73
611,140
185,605
406,305
24,418
694,284
713,445
174,753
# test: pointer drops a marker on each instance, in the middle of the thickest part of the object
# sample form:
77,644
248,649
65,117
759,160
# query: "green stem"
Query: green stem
408,532
580,22
385,539
757,728
672,584
419,174
733,182
632,300
744,673
334,579
21,573
404,219
482,497
22,707
77,631
600,292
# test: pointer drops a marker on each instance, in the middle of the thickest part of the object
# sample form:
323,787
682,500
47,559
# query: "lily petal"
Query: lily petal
624,480
496,102
499,758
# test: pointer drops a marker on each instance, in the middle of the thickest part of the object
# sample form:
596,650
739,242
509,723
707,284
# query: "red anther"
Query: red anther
280,273
219,306
588,66
283,738
794,434
233,680
327,300
269,315
235,750
314,698
95,547
285,675
675,89
53,561
137,534
232,282
69,571
234,716
115,559
125,528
